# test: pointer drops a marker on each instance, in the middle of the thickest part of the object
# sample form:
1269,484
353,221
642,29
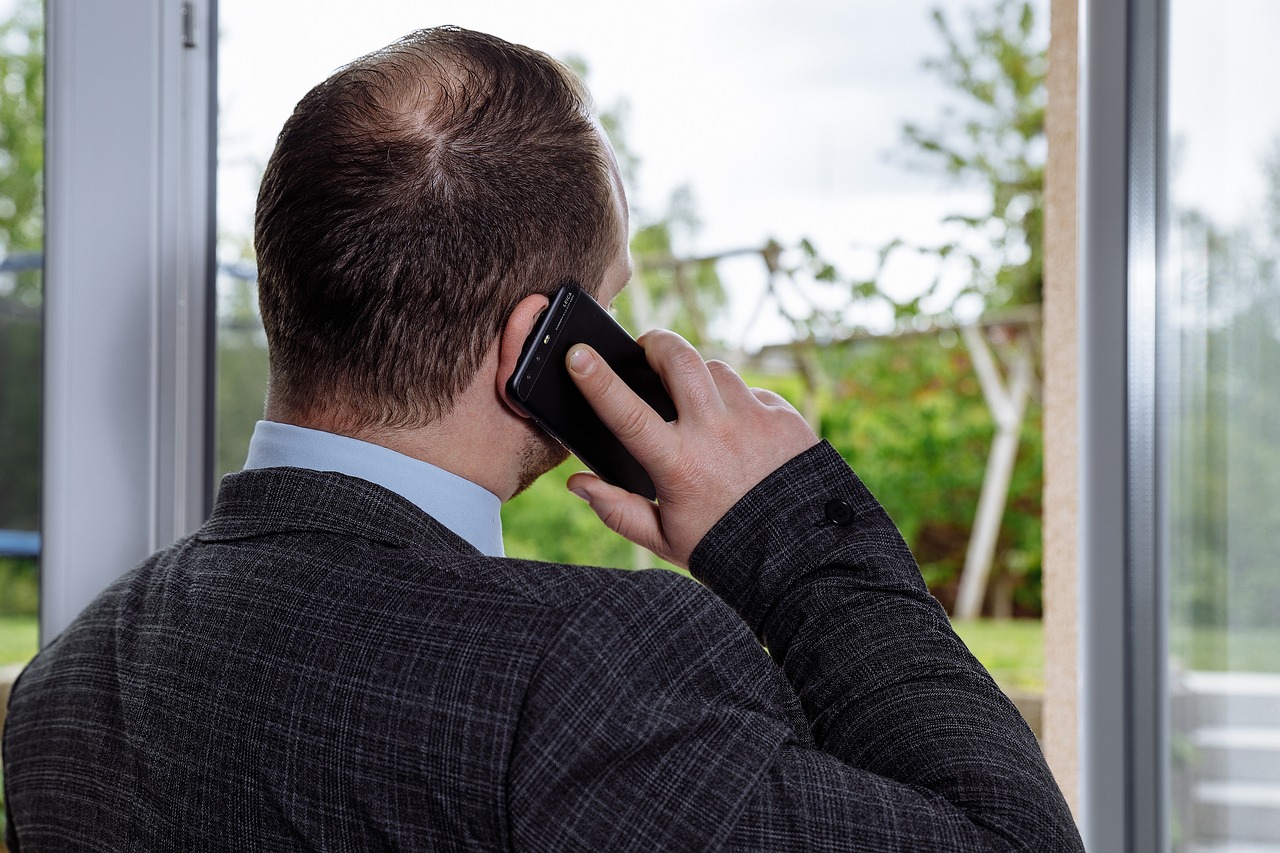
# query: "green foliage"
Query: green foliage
909,416
667,290
1222,505
22,129
19,588
907,413
991,137
21,230
242,372
19,638
20,358
995,140
677,294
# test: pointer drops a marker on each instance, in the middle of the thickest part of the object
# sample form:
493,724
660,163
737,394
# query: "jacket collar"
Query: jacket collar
270,501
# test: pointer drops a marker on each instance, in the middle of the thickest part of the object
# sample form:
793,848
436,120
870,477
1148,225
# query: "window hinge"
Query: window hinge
188,24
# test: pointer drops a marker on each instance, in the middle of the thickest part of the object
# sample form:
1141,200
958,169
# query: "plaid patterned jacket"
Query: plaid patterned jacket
324,667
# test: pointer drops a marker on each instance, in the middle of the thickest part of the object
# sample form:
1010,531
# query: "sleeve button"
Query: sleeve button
839,512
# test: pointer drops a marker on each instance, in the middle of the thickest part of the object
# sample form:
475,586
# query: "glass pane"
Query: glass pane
21,241
1222,351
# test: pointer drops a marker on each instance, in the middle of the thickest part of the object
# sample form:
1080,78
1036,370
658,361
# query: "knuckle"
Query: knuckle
717,366
614,519
687,360
660,337
668,346
631,424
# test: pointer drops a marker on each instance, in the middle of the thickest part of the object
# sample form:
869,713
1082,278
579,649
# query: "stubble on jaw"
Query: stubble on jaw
539,455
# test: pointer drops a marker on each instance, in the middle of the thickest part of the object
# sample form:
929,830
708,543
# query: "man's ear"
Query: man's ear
516,331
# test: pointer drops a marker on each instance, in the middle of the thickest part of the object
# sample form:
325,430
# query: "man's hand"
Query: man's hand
726,439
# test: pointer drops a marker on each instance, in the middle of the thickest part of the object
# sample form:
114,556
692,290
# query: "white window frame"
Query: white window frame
130,151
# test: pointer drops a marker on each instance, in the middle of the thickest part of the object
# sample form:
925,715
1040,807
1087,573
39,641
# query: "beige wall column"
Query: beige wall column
1061,413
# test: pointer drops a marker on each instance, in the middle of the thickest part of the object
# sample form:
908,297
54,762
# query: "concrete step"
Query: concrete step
1232,722
1237,754
1238,812
1207,699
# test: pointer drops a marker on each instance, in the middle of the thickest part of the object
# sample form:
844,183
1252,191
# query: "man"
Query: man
341,658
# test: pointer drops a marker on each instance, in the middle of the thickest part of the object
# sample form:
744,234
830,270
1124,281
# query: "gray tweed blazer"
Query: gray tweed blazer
324,667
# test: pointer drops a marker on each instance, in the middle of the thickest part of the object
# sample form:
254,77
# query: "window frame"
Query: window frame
1124,774
127,288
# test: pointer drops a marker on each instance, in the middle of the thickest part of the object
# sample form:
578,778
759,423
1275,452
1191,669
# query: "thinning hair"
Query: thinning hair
412,200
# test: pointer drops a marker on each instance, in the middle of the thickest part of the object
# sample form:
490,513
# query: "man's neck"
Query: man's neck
476,450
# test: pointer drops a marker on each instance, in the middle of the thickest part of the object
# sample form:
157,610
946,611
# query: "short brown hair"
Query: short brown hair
412,200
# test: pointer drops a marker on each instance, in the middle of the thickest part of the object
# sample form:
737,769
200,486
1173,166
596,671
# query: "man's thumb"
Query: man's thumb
629,515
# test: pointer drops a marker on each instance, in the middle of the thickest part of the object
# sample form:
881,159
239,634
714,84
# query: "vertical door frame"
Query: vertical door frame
1123,754
130,150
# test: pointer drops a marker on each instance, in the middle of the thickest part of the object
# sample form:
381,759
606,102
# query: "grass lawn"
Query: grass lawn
18,639
1012,650
1238,649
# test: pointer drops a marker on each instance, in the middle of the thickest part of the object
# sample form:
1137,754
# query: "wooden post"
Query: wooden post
1007,407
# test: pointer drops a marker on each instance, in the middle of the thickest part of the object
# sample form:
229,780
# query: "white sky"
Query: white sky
742,99
782,117
1224,119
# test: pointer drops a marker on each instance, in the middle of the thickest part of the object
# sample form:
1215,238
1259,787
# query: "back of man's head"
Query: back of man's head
412,200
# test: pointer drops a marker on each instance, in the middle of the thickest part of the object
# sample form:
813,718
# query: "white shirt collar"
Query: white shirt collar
469,510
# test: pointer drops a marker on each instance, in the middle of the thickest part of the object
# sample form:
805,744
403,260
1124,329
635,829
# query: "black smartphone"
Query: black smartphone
542,387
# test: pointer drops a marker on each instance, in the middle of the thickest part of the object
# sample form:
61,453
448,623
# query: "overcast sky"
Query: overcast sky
754,103
1224,119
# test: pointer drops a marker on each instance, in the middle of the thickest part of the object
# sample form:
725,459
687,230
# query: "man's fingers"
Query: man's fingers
686,376
627,416
772,399
727,438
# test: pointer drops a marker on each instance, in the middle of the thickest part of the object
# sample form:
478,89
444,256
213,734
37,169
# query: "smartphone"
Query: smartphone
541,385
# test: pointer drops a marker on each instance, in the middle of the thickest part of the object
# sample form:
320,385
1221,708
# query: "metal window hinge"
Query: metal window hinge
188,24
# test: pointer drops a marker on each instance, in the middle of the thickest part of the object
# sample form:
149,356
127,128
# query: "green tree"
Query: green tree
241,369
1222,427
908,413
993,138
678,293
21,231
22,129
990,136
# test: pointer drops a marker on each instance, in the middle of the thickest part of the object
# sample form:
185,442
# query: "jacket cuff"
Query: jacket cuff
809,514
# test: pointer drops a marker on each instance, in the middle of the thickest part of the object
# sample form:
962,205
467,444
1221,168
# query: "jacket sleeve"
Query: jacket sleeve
656,720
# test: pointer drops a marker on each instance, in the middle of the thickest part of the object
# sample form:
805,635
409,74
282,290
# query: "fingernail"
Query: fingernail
582,493
581,360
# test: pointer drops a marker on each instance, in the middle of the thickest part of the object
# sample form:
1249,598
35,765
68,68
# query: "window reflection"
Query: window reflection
1223,459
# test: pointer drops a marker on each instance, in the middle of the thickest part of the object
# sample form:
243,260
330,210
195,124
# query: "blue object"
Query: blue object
19,543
